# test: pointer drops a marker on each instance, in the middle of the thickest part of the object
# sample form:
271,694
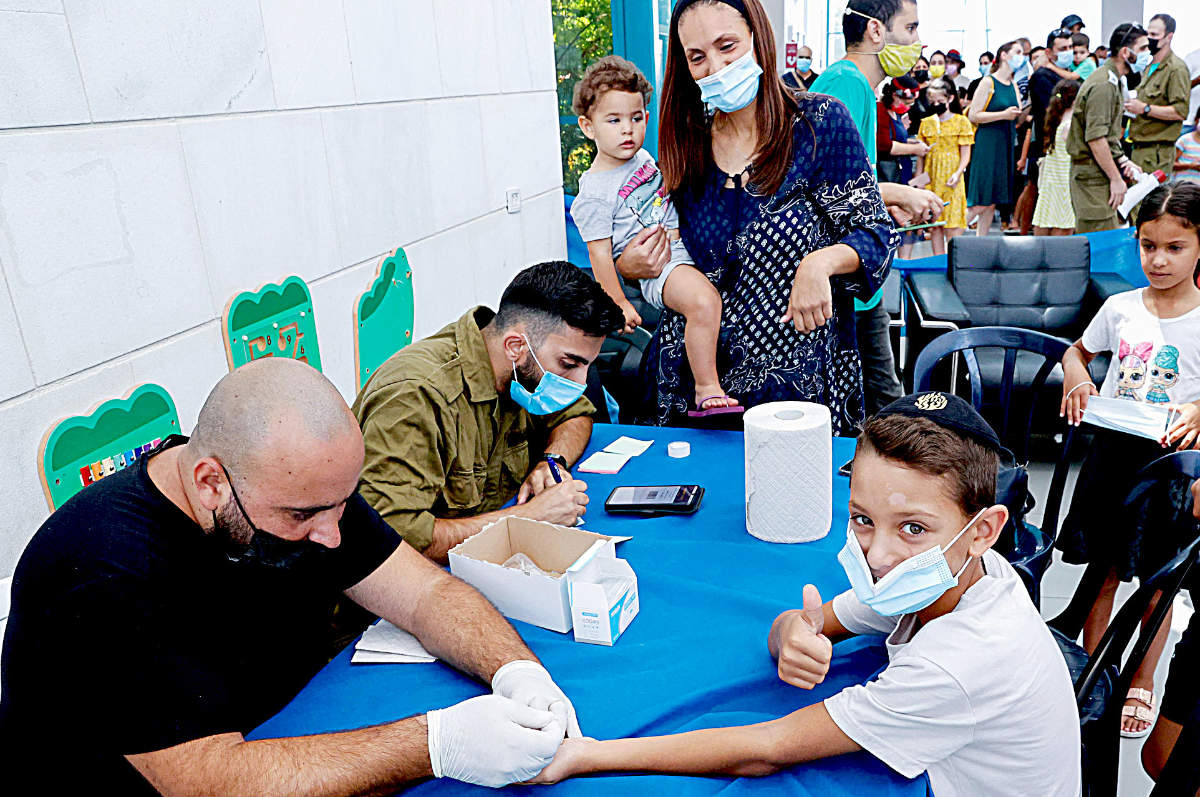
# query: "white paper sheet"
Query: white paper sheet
377,657
628,445
395,643
604,462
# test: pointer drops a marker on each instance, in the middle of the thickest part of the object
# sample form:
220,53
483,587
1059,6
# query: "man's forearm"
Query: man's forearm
448,532
472,637
1104,158
570,438
1165,113
368,761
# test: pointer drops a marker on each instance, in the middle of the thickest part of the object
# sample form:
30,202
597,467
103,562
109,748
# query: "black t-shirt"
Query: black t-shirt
796,82
1041,91
131,631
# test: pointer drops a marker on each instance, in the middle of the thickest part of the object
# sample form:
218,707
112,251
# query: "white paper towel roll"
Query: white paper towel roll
789,471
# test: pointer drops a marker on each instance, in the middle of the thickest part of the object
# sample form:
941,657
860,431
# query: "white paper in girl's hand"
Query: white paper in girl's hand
1131,417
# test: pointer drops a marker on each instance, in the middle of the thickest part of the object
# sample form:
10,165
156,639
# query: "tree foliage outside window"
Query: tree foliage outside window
582,34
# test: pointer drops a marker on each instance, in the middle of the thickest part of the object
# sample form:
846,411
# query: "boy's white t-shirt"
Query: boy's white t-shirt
980,698
1155,360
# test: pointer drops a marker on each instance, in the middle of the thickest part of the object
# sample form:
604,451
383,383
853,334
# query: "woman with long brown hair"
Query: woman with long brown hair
780,209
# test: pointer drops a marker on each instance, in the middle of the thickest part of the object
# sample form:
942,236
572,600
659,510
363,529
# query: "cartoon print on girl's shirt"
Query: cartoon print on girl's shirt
1164,373
1131,376
644,195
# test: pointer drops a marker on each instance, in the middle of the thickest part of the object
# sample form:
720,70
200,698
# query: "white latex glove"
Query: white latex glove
491,741
527,682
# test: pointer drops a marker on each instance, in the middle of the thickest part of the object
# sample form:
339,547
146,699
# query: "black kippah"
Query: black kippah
948,410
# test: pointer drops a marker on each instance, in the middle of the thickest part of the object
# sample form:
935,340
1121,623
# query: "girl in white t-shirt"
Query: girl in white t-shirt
1153,334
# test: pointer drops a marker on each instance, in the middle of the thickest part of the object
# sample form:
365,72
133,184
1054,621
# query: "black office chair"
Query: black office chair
1039,283
1010,401
1101,686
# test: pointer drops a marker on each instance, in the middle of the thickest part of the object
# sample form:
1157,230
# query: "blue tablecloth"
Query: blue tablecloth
694,657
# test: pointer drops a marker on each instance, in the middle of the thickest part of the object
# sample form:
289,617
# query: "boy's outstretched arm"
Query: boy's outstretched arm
745,751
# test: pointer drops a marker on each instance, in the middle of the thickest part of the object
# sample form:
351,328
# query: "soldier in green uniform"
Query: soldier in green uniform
457,424
1094,140
1162,100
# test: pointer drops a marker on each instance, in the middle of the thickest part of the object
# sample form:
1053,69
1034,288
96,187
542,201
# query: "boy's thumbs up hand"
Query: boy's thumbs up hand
812,609
804,652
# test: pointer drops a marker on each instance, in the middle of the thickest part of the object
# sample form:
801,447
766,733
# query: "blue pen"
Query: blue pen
554,469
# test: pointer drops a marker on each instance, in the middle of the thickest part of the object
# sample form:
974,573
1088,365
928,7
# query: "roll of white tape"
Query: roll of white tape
679,449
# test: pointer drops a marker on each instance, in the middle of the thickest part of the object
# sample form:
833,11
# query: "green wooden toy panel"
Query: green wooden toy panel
275,321
86,448
383,318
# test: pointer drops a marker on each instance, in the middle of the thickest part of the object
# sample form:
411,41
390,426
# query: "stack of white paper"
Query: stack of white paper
384,643
614,456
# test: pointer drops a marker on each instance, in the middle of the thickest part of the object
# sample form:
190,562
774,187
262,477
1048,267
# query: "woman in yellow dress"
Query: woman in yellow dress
949,136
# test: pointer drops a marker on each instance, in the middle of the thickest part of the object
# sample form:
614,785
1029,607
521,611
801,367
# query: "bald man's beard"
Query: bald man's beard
242,544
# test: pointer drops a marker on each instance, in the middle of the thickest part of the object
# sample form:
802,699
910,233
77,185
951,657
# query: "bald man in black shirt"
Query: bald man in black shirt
167,610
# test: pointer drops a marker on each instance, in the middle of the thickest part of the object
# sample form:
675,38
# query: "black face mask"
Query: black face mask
246,545
922,75
1154,45
939,108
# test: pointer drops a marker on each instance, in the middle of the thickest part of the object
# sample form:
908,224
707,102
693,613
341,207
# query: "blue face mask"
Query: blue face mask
1143,60
734,87
1065,60
552,394
1017,62
909,586
803,64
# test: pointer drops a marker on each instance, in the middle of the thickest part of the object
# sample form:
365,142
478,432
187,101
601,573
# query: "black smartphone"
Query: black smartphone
675,499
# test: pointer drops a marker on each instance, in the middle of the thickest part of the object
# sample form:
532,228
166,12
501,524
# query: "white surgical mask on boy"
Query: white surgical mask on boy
909,586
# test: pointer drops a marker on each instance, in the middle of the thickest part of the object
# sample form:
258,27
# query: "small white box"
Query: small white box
604,596
537,598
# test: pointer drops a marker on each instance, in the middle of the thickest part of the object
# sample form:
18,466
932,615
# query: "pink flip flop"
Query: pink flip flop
699,413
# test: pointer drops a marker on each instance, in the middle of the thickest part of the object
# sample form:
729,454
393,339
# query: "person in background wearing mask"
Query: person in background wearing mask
1054,67
458,423
1100,55
802,76
881,40
1094,140
201,582
995,110
1162,100
937,65
1021,76
1072,23
1083,64
896,149
954,71
985,68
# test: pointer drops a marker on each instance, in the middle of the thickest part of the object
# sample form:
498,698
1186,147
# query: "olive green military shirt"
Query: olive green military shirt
1098,114
1171,84
441,441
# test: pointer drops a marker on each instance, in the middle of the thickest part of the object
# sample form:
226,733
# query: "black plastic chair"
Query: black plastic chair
618,365
1011,413
1181,776
1104,673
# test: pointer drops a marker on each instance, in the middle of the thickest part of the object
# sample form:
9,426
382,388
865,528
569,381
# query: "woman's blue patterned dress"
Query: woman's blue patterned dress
749,245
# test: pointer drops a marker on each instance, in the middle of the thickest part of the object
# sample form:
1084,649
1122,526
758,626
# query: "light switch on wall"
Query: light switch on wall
512,200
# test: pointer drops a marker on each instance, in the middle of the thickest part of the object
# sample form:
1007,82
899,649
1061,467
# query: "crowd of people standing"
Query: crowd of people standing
1012,139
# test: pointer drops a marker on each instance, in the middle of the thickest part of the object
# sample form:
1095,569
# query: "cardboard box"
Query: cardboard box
537,598
604,598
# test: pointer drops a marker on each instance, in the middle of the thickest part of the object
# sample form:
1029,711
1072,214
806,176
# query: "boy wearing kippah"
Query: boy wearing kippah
976,692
